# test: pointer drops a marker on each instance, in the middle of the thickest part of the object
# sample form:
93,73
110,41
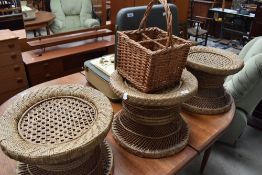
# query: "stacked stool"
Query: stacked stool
59,130
149,125
211,66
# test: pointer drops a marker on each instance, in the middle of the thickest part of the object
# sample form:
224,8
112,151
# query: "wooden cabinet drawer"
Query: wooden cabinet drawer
44,71
10,58
15,70
9,46
12,77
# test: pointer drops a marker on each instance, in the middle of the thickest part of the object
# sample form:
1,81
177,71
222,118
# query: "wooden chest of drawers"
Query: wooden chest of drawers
12,72
62,60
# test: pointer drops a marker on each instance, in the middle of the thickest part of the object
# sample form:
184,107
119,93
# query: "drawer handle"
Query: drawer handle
47,75
13,56
45,64
19,80
16,68
11,46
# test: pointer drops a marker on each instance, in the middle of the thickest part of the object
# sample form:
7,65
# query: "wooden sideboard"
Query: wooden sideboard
201,7
61,60
12,72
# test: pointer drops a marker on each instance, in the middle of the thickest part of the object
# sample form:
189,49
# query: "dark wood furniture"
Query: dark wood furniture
257,23
201,7
43,20
11,21
198,28
232,21
183,12
204,131
61,60
12,72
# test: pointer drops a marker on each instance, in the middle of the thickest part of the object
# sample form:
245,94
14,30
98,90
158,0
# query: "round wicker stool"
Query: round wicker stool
149,125
59,130
211,66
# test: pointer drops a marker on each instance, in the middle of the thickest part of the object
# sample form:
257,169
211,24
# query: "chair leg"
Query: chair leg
205,159
206,39
196,38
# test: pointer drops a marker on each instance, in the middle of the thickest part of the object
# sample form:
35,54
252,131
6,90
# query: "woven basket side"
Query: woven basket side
129,64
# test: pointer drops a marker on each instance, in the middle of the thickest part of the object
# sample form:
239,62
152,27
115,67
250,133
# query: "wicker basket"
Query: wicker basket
150,58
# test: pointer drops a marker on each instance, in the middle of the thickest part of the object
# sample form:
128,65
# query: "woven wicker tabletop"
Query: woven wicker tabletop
213,60
54,124
182,92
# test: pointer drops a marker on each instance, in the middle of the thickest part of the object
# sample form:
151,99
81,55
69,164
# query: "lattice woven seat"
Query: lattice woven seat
214,61
211,66
57,129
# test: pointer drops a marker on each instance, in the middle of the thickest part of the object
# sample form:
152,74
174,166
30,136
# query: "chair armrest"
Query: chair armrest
193,20
204,18
91,23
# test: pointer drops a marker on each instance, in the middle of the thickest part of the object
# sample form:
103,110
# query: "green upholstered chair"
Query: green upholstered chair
72,15
245,87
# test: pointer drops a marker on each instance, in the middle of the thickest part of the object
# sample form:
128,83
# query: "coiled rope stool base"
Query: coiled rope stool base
59,130
211,66
101,162
149,125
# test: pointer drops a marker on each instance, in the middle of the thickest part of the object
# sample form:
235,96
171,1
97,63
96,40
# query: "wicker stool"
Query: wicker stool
149,125
211,66
59,130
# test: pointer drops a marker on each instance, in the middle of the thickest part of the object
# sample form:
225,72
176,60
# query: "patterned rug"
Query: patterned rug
229,45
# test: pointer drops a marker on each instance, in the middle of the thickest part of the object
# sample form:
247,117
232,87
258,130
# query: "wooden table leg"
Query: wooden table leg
47,30
205,159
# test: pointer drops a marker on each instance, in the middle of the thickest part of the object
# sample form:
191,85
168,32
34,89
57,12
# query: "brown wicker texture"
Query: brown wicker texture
168,97
211,66
57,128
101,163
149,125
150,58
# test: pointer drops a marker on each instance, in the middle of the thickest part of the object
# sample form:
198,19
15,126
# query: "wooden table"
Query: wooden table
204,130
43,20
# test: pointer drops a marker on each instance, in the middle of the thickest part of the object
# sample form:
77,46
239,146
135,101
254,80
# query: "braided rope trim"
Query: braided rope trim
169,97
107,158
19,149
201,109
236,63
141,150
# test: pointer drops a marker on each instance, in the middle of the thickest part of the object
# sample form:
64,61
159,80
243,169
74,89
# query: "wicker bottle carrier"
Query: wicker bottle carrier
150,58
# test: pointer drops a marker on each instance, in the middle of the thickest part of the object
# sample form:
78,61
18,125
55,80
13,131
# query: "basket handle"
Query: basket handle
168,19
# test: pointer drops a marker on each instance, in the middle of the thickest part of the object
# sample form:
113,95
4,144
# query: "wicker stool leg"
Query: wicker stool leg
152,132
211,97
100,163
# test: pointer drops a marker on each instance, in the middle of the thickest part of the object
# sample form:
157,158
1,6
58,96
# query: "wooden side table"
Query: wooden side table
43,20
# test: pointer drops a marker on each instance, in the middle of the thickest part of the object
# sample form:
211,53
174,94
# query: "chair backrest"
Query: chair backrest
70,8
130,18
